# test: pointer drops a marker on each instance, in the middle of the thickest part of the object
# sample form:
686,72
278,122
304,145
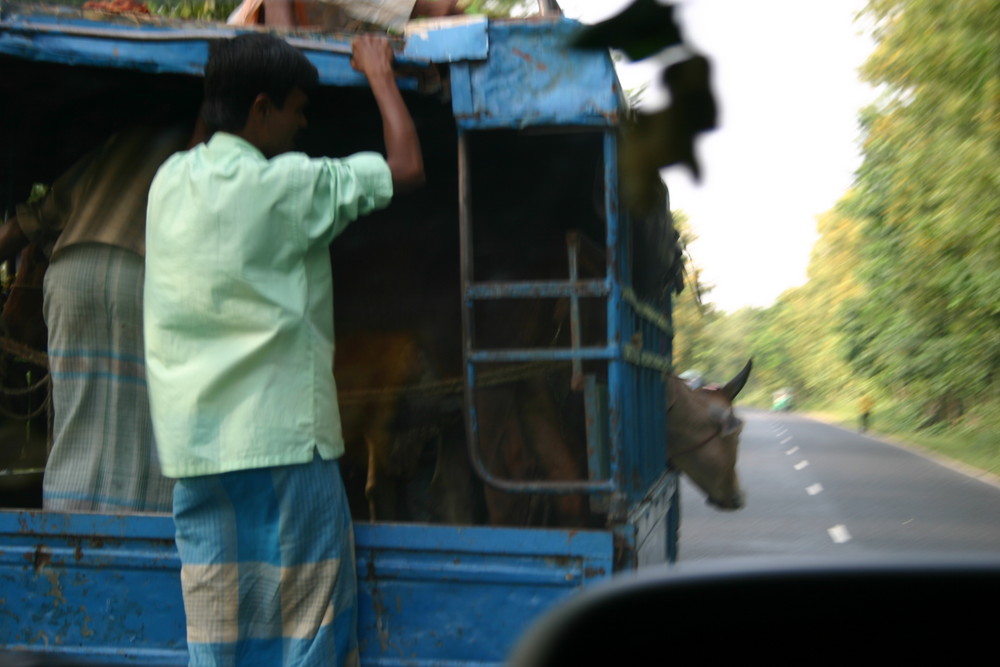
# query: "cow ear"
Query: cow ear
734,386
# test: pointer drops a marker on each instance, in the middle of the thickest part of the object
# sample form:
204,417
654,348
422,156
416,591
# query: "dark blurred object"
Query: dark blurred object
654,141
785,612
651,142
642,29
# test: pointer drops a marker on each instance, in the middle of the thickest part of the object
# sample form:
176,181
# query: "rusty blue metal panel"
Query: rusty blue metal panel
521,73
532,77
443,595
164,46
107,588
83,585
67,37
461,91
655,533
447,40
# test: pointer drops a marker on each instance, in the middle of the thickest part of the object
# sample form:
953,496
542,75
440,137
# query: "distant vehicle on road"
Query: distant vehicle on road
782,400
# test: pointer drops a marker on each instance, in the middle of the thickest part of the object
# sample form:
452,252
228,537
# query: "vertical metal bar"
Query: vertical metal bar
472,431
595,399
674,521
573,251
674,514
616,426
466,274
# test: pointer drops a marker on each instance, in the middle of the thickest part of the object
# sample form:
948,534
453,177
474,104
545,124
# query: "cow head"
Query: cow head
703,437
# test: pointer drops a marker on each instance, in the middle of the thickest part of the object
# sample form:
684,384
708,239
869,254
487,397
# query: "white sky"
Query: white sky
785,78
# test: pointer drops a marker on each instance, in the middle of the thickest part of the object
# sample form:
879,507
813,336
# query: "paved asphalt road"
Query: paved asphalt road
815,490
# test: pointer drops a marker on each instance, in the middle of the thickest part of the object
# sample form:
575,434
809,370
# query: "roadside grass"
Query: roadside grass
975,441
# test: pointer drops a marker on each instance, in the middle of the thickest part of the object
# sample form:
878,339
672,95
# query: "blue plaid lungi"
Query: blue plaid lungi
267,567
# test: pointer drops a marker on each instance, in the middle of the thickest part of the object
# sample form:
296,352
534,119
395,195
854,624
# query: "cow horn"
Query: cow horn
734,386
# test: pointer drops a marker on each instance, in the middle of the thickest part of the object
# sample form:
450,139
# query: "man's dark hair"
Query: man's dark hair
241,68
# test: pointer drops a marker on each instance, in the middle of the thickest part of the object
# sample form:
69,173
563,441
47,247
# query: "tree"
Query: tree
693,318
929,321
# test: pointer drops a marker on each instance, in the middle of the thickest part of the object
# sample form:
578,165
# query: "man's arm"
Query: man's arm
372,55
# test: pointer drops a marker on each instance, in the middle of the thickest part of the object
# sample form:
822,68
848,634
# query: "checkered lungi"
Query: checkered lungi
267,567
103,453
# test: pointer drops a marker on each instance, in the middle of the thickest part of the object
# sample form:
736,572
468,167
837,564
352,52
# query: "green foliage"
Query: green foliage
693,318
903,297
203,10
500,8
930,322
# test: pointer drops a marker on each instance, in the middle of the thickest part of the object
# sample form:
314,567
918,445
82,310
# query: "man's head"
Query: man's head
256,86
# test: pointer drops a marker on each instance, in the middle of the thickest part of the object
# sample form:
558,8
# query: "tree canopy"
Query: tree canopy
903,296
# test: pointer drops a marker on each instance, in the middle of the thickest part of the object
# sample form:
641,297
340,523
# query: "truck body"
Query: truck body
509,114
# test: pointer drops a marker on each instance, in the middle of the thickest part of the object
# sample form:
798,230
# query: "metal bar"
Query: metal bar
544,121
534,289
616,423
542,354
573,251
647,312
468,324
472,356
595,401
470,569
169,33
131,33
636,355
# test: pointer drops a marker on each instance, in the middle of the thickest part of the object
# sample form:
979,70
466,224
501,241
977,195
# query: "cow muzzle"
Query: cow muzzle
733,502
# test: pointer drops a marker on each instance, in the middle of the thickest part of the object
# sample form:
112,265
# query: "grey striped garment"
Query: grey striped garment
103,454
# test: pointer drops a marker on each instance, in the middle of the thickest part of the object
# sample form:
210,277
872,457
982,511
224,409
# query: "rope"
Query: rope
37,358
23,351
447,387
31,415
24,391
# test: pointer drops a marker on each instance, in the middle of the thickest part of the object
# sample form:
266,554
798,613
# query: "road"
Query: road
816,490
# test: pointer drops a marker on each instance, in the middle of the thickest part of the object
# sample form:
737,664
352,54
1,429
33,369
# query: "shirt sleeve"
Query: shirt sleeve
343,190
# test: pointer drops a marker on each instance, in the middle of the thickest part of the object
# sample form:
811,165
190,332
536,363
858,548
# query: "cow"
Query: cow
373,373
703,437
527,433
399,271
400,421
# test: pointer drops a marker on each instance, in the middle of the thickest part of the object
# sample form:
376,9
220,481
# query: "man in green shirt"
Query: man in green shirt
239,344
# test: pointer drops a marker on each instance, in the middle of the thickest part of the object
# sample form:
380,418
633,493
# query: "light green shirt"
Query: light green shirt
238,308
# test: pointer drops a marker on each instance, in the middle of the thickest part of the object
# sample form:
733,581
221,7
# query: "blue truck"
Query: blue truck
105,588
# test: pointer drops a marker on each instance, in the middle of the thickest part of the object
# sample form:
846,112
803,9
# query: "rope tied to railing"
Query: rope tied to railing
448,386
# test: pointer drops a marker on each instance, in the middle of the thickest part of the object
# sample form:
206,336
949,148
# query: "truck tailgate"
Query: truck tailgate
106,588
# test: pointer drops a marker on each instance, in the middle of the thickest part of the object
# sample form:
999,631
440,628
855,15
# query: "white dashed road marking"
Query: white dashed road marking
814,489
802,464
792,451
786,441
839,534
